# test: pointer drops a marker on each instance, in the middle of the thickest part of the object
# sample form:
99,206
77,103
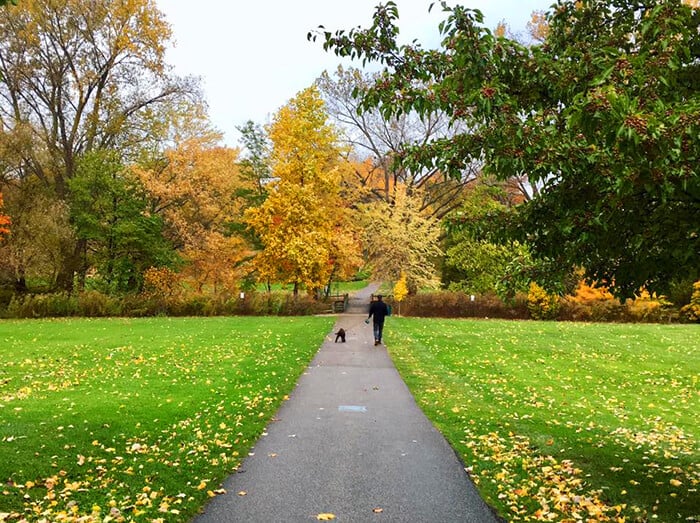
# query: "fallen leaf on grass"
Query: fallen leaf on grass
325,516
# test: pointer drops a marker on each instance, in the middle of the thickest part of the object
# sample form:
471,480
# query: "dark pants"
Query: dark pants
378,328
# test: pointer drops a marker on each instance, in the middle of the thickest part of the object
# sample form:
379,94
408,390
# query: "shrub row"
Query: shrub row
537,305
96,304
449,304
443,304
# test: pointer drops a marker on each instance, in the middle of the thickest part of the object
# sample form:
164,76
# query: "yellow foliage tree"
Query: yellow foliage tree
160,282
402,236
692,310
400,290
216,260
541,304
303,224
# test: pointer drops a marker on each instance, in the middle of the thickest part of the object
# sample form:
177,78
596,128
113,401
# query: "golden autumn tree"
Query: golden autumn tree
346,247
194,188
400,290
302,224
401,237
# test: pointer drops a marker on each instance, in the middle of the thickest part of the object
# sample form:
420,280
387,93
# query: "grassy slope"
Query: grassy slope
138,418
561,420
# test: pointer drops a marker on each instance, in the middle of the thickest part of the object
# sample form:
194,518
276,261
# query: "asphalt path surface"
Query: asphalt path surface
350,442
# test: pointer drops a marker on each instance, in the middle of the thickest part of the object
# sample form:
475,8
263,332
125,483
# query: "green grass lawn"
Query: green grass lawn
141,419
137,419
564,421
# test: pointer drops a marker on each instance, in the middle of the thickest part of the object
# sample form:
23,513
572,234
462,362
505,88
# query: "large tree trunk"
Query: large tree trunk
73,265
21,283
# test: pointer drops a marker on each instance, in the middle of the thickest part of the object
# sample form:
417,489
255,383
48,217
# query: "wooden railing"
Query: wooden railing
339,302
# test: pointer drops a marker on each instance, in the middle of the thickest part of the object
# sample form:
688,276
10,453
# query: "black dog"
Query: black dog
340,335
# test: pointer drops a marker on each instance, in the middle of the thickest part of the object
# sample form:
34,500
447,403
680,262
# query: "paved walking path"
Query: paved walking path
351,442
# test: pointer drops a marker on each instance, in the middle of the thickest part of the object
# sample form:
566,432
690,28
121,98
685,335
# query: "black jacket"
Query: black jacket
379,310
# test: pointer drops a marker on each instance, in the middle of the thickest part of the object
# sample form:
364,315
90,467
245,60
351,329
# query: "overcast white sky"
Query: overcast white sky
253,55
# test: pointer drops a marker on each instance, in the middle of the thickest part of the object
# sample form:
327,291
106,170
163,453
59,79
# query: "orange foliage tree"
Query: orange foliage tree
194,188
538,26
590,292
4,221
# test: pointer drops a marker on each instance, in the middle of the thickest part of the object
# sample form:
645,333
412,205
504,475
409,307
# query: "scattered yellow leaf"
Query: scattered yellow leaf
325,516
675,483
242,493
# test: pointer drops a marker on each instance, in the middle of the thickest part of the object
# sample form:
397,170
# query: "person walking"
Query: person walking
378,310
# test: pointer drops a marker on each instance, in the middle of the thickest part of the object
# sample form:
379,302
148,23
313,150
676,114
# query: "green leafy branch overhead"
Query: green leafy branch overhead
603,117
